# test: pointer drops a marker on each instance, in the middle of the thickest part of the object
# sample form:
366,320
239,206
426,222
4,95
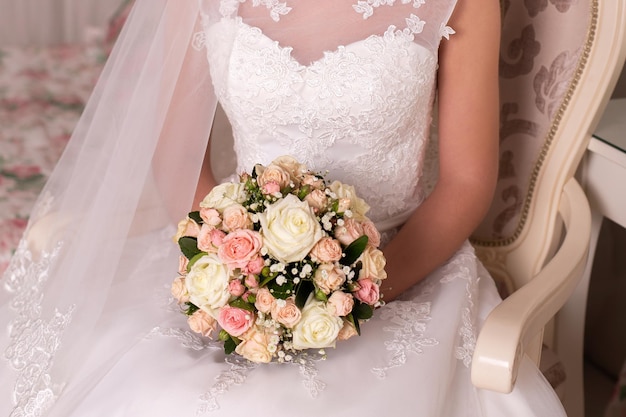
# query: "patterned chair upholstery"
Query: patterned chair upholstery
559,62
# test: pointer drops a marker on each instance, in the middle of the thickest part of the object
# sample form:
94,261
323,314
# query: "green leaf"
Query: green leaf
188,246
354,250
240,303
303,290
320,295
355,323
195,258
195,216
362,311
191,308
230,345
281,291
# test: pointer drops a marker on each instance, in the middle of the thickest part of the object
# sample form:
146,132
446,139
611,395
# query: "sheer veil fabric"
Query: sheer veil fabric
150,113
87,290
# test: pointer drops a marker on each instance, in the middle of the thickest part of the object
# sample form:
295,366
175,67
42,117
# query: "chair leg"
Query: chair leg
570,331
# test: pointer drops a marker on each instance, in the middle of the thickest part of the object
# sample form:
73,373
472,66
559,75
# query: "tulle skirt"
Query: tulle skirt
412,358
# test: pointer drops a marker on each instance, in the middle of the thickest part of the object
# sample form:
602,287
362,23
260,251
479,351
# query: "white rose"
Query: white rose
318,327
289,229
358,206
223,195
207,283
374,263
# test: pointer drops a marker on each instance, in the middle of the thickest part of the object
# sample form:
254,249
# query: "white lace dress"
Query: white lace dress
363,112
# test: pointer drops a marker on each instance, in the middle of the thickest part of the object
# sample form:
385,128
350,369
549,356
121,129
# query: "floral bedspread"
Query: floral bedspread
42,94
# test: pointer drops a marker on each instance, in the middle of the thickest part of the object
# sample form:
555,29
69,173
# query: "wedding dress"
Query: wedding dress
91,327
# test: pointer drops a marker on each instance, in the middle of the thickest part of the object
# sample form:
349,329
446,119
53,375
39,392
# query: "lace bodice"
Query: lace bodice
362,111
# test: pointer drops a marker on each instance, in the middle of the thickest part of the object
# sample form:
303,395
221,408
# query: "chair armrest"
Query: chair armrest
519,318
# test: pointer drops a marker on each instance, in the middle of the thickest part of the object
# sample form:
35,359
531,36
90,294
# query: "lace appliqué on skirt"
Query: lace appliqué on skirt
34,340
409,319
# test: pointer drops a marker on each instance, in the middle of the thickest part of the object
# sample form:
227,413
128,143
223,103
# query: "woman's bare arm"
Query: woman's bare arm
468,149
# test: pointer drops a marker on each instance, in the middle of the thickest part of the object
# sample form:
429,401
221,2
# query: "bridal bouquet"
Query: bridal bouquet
281,261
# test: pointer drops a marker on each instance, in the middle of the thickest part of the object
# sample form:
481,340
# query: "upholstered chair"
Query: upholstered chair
559,62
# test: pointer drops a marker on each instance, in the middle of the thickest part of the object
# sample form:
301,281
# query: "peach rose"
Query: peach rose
236,321
373,262
210,216
349,232
340,303
286,312
209,238
370,230
273,174
183,262
201,322
179,290
347,331
326,250
239,247
317,199
186,227
264,300
254,346
313,181
236,217
368,292
291,165
328,278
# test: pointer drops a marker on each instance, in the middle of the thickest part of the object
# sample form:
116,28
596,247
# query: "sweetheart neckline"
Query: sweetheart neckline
325,54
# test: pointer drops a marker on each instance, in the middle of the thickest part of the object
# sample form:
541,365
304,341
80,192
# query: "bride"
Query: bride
344,86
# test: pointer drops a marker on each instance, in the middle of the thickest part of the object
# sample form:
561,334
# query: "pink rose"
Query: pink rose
201,322
239,247
236,217
328,278
210,216
349,232
270,188
340,303
236,321
179,290
251,281
236,288
368,292
370,230
255,266
264,300
317,199
254,346
286,312
326,250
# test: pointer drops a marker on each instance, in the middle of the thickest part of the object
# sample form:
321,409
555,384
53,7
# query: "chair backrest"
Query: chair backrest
559,61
